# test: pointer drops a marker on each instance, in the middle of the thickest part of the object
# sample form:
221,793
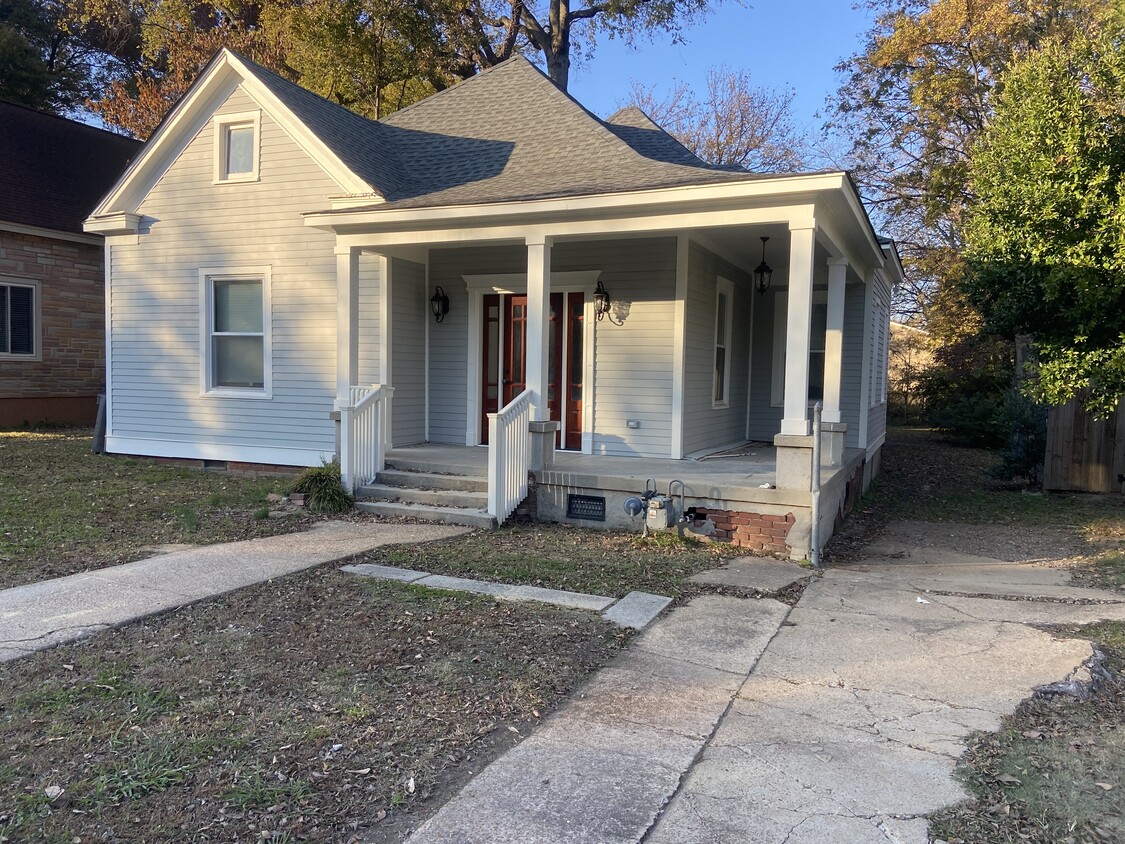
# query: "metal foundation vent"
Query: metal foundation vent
588,507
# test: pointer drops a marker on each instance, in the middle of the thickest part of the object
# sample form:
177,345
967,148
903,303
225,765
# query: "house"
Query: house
493,266
53,171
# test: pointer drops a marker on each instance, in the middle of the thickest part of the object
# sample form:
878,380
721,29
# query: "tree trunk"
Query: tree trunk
558,51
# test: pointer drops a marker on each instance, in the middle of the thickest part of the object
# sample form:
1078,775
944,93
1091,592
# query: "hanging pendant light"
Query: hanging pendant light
763,273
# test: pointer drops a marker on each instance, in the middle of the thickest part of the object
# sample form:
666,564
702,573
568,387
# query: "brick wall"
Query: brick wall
756,531
72,312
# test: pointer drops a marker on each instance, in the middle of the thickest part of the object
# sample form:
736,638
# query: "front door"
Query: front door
504,352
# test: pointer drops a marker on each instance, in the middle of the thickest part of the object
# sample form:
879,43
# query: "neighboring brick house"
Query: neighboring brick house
53,171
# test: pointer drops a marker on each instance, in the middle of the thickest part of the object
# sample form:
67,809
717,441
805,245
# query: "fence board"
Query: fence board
1084,454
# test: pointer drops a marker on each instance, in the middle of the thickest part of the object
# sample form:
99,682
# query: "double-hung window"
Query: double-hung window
236,333
19,328
724,307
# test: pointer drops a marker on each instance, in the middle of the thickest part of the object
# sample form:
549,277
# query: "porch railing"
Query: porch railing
364,431
509,456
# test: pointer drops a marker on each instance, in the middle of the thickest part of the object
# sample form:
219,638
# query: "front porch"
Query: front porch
733,491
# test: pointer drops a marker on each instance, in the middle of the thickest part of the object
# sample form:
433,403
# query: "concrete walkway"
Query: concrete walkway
45,614
736,721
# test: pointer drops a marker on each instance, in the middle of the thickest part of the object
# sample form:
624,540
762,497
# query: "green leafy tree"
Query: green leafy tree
914,101
1046,234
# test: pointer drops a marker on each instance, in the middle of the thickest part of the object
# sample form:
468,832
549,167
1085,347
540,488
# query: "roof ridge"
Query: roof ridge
70,121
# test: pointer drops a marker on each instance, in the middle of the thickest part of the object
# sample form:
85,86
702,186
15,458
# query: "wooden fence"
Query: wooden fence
1084,454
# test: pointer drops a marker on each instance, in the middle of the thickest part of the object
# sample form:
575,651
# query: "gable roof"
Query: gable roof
55,170
644,135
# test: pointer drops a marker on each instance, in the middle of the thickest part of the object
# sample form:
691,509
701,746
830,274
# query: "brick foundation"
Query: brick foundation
763,532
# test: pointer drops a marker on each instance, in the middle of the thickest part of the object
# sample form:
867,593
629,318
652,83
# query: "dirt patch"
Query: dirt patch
314,708
1010,543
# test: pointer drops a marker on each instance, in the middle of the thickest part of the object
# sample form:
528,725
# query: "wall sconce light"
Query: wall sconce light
601,302
439,304
763,273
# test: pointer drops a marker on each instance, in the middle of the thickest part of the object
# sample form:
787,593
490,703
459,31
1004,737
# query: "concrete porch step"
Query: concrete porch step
411,495
447,515
472,464
423,480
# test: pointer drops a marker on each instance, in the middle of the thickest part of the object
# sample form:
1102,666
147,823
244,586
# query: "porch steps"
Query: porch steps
411,489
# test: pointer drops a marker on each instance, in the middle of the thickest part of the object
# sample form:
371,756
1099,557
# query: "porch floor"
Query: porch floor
752,466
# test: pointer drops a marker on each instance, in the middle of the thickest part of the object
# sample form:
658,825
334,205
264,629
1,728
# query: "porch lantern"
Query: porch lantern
439,304
763,273
601,302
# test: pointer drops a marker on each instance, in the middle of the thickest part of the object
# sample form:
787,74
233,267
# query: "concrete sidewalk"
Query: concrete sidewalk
45,614
743,721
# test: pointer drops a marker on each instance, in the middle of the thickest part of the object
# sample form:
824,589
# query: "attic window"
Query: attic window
237,141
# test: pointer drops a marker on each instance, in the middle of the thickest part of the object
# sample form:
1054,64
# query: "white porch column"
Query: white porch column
834,339
347,320
538,323
798,324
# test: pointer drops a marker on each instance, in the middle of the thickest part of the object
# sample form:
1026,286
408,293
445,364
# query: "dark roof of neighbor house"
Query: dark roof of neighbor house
54,171
506,134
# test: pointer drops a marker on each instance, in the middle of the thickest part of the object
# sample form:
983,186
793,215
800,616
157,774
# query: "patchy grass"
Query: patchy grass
313,708
1055,771
65,510
565,557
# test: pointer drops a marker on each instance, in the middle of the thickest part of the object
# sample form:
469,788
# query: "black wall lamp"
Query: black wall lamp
439,304
763,273
601,302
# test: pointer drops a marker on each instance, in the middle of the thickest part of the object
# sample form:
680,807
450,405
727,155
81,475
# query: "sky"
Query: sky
782,43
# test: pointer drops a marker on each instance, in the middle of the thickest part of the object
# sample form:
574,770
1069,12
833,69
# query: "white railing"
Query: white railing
364,431
509,456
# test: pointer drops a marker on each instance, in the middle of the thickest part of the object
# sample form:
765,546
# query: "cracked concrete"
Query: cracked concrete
741,722
49,613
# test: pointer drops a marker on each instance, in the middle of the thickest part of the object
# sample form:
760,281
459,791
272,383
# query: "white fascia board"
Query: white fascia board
786,189
217,82
52,234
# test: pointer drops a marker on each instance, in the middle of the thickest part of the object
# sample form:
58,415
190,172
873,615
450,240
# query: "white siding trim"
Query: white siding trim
108,338
679,356
876,444
426,315
217,451
206,276
18,228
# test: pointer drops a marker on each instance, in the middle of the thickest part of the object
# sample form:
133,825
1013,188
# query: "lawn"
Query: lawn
65,510
314,708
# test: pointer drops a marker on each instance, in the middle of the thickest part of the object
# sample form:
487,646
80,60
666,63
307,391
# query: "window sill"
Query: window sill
239,180
234,393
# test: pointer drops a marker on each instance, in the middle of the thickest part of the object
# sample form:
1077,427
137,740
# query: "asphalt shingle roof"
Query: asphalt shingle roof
54,171
506,134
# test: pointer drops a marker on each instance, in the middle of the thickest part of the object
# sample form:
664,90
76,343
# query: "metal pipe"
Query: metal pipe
814,540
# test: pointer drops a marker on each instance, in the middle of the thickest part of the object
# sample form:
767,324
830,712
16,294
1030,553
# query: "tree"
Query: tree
733,123
916,98
1046,235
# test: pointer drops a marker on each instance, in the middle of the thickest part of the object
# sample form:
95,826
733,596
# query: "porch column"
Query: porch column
834,338
347,320
798,325
538,323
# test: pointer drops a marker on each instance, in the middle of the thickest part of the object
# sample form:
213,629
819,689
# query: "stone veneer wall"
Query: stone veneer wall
756,531
62,386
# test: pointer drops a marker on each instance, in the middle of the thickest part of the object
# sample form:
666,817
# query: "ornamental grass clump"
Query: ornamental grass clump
324,491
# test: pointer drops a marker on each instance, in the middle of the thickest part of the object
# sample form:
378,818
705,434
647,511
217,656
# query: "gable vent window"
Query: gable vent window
18,330
237,142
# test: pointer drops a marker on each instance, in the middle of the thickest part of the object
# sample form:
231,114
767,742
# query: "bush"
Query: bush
324,491
1027,439
966,390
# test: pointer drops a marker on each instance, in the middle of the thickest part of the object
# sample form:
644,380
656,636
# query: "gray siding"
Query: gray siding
704,425
877,414
633,361
155,302
765,420
851,379
408,352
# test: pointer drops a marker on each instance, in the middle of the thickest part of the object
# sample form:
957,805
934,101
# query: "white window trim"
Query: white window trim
780,323
723,287
36,317
207,277
225,122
